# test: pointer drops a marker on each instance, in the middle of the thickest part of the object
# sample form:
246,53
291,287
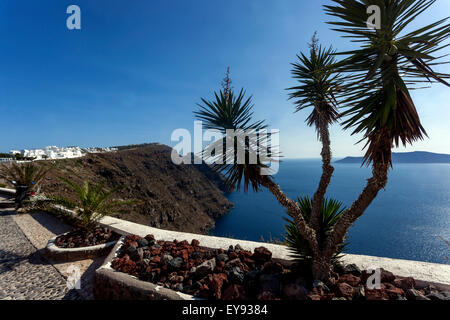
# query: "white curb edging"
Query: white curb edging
52,251
7,191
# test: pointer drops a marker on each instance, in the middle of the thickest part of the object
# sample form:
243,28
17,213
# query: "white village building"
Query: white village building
54,152
51,152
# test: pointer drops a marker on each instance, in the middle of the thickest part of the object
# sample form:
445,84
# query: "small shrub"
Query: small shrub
330,212
93,202
26,178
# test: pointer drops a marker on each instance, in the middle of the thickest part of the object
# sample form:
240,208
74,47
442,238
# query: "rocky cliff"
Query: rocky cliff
175,197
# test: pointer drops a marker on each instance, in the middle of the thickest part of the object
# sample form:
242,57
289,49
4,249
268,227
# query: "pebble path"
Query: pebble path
24,274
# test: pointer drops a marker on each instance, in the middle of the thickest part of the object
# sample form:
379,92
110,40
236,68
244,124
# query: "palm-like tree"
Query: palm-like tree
387,66
230,112
317,89
93,202
376,94
25,177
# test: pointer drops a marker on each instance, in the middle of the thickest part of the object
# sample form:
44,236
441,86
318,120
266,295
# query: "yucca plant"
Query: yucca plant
231,112
319,84
388,65
330,211
378,103
93,202
25,177
376,93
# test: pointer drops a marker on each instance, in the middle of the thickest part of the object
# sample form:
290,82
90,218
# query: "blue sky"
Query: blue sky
136,70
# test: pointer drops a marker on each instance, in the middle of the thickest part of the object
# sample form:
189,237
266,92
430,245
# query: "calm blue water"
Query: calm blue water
405,221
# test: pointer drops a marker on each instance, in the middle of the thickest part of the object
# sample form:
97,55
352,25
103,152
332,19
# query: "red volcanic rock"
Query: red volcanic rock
237,263
155,251
157,270
184,254
132,237
204,291
233,255
129,266
387,276
156,259
262,255
148,269
116,263
168,245
215,283
183,243
146,254
344,290
350,279
314,297
404,283
294,291
244,254
234,292
241,274
376,294
272,267
327,297
248,261
172,277
266,295
393,292
133,243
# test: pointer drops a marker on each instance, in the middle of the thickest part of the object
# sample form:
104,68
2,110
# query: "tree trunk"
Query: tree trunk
22,193
327,173
377,182
321,268
294,211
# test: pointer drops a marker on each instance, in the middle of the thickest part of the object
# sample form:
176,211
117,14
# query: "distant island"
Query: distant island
407,157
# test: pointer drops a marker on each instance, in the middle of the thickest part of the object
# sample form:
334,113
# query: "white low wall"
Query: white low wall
430,272
7,191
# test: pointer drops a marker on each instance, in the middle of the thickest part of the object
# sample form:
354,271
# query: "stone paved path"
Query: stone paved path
24,274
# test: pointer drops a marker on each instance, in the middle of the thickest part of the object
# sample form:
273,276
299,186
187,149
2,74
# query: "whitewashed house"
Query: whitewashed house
50,152
54,152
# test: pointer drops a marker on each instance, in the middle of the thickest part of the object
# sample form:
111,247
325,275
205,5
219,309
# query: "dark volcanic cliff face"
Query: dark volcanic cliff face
176,197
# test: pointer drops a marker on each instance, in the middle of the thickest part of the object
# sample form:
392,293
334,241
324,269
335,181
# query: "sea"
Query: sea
409,220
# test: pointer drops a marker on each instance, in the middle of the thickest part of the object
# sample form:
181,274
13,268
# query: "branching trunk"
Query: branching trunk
327,173
321,268
377,182
294,211
321,260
